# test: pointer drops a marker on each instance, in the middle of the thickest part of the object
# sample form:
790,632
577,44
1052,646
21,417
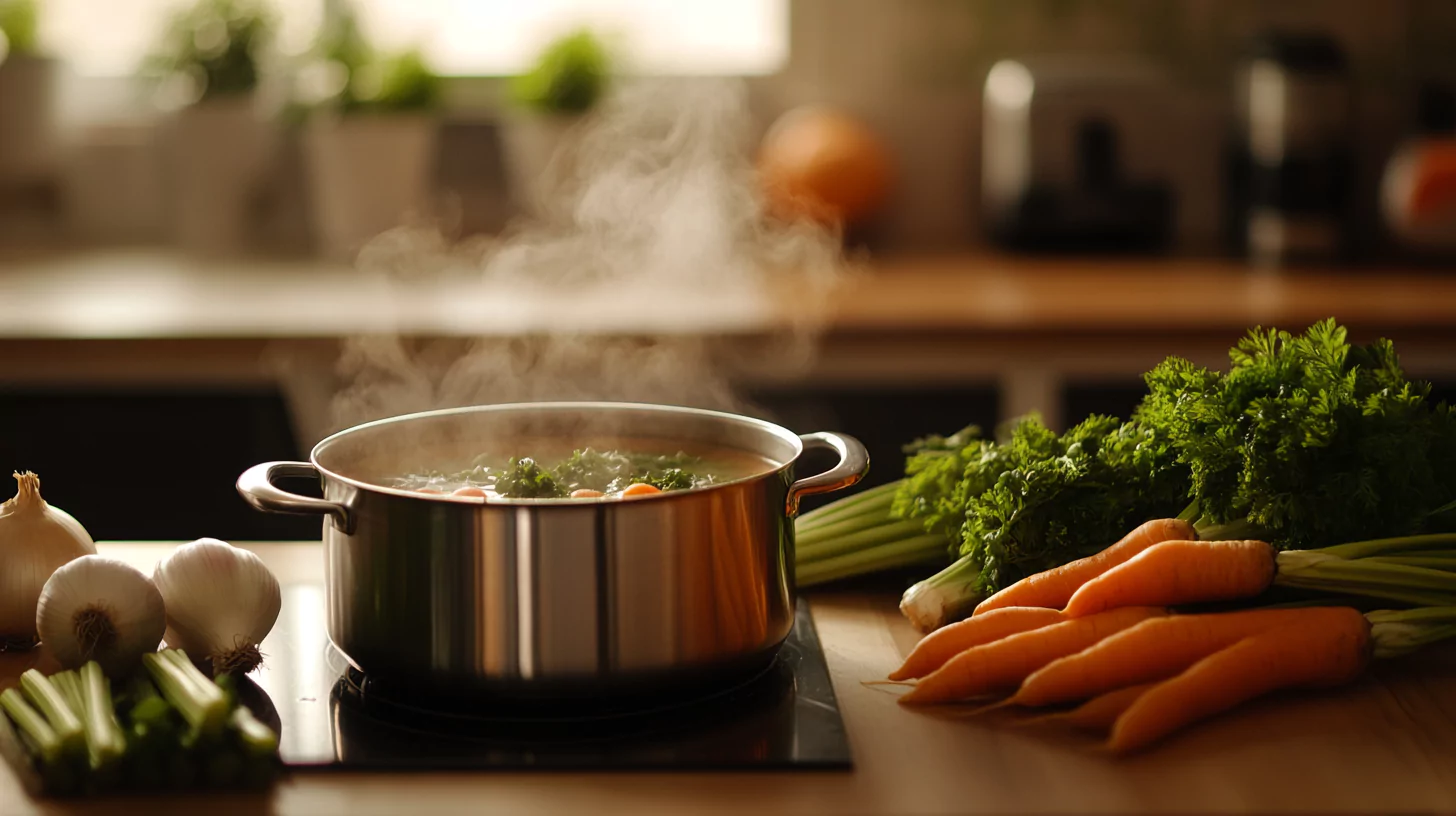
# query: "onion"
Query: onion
825,165
101,609
221,602
35,540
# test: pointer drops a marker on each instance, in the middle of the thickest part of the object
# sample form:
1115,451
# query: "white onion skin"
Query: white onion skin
130,599
221,602
36,539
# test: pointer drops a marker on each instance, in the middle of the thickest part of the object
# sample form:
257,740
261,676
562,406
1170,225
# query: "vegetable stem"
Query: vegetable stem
1398,632
1443,561
862,502
1385,546
33,724
910,552
103,732
49,700
257,738
944,596
199,700
1311,565
844,524
863,539
70,687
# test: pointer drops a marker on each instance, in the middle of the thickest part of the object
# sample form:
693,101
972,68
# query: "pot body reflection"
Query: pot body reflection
557,597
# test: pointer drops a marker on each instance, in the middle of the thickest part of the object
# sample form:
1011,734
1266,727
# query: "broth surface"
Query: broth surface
588,469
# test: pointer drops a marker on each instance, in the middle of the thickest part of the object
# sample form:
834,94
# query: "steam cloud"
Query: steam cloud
650,233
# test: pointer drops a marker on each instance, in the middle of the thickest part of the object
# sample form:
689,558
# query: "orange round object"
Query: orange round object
825,165
640,489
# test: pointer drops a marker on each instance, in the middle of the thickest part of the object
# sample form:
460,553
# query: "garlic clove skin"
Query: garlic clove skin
221,602
102,609
36,538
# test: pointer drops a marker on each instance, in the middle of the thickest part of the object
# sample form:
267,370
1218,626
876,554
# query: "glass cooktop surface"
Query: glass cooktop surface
333,717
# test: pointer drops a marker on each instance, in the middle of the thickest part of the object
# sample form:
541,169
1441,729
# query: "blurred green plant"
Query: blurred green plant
569,76
359,79
217,44
19,25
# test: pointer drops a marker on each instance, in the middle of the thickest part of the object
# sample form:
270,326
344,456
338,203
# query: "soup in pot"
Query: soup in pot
590,472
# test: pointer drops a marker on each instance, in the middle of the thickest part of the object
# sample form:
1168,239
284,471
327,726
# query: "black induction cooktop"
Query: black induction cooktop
332,717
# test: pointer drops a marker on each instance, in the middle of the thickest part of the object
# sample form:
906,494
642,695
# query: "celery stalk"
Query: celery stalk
201,704
103,732
33,724
925,549
44,695
943,597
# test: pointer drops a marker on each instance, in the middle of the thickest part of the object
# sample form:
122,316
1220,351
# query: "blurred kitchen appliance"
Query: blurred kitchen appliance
1076,154
1290,159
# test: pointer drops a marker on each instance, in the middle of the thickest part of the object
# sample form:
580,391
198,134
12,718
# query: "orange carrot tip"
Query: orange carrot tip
1179,572
1325,650
999,667
1153,650
1054,587
1099,713
939,646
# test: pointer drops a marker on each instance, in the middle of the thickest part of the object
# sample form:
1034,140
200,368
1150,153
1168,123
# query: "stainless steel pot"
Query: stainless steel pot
555,597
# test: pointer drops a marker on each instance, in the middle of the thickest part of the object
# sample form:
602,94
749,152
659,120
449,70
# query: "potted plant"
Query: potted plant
219,140
565,84
27,98
370,145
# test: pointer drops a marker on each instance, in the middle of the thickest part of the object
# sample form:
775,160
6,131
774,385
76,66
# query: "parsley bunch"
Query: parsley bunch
1306,442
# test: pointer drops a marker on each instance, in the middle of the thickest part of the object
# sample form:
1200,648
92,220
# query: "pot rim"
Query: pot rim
779,431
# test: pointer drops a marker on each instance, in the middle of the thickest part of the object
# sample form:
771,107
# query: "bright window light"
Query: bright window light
467,37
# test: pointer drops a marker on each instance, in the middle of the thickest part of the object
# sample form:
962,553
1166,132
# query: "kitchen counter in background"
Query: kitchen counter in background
1386,744
1027,326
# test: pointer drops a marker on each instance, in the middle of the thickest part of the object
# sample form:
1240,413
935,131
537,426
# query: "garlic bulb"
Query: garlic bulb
35,540
221,602
101,609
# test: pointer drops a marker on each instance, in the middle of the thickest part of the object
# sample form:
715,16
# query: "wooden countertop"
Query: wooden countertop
142,294
1385,745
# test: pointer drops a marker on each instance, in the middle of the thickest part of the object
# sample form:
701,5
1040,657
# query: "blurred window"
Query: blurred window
465,37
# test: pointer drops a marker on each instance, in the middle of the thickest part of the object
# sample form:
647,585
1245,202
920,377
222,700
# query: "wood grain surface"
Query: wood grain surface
1384,745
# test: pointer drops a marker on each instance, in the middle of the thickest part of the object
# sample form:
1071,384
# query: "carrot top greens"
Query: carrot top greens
1306,441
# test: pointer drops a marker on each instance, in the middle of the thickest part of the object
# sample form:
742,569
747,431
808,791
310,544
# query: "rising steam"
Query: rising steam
648,254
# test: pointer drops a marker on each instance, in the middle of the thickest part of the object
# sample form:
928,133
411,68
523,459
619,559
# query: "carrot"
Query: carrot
640,489
1002,665
936,648
1054,587
586,493
1179,572
1152,650
1324,649
473,492
1100,712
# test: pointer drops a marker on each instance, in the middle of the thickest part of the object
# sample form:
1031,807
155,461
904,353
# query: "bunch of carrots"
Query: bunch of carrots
1103,636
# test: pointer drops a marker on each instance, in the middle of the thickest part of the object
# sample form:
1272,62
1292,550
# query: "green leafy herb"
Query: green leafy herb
1306,441
524,479
1307,438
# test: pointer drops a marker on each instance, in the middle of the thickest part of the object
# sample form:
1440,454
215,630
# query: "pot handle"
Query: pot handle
257,488
854,462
